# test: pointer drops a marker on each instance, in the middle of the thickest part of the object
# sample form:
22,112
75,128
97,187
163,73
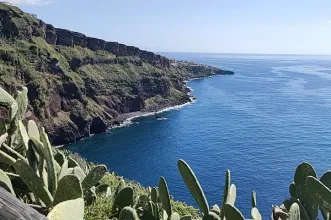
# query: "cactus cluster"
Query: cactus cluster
48,179
52,181
308,195
155,205
227,209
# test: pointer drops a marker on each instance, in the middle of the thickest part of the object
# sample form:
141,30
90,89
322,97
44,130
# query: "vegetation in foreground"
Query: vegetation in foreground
62,185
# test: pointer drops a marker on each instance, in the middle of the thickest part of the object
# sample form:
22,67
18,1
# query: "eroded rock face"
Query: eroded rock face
147,56
96,90
95,43
51,36
79,39
64,37
112,47
122,50
16,24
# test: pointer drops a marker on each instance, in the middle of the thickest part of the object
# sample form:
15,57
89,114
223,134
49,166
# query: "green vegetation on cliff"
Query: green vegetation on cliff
80,85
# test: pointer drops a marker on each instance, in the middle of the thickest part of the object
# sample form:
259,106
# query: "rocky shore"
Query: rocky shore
80,85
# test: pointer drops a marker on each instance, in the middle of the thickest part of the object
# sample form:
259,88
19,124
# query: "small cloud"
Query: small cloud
28,2
329,22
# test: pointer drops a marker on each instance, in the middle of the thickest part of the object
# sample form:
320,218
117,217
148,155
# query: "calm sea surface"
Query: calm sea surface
273,114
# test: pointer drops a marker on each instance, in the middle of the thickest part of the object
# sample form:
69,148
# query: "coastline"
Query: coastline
128,118
131,116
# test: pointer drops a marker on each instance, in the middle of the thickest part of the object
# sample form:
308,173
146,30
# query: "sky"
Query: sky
211,26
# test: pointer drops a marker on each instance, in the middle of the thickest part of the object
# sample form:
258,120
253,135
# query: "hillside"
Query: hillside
81,85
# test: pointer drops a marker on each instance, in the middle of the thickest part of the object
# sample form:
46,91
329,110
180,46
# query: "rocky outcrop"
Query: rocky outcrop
23,29
95,43
112,47
64,37
79,39
51,36
74,93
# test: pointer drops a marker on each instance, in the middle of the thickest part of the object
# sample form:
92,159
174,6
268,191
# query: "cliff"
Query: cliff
80,85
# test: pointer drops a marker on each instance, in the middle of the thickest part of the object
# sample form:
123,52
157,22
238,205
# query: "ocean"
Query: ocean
260,123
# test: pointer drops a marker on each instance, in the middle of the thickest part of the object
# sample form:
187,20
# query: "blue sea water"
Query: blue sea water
260,123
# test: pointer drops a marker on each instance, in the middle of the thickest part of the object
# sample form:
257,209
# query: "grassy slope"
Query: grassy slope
102,208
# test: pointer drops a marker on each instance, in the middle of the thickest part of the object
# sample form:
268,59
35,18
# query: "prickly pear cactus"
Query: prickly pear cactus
104,190
49,158
33,130
293,190
69,188
193,185
216,209
79,173
68,210
8,107
23,135
164,196
302,172
124,198
34,183
128,213
254,199
94,176
211,216
5,182
186,217
294,213
226,192
256,214
232,213
232,195
174,216
154,195
319,193
22,103
59,158
326,180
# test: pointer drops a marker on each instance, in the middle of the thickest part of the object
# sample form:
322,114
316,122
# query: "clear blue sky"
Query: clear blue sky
217,26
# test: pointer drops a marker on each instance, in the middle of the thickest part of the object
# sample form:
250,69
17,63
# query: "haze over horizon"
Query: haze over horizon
215,26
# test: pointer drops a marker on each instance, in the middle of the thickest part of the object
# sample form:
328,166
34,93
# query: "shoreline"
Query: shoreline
140,114
131,116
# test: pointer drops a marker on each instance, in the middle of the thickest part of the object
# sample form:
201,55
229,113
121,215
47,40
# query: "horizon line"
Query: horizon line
245,53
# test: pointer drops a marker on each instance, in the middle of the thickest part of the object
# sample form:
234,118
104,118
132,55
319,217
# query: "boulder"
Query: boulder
64,37
95,43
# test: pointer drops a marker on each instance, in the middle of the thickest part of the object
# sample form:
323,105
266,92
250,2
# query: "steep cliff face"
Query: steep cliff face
80,85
